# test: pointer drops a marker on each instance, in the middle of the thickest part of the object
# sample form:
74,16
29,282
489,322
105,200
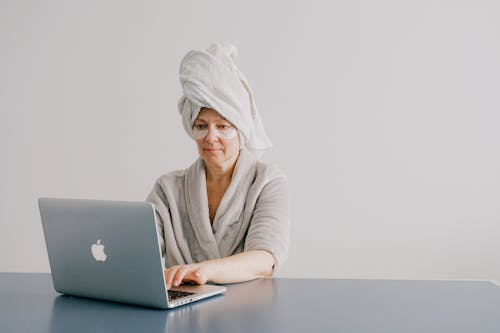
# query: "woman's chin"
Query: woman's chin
213,156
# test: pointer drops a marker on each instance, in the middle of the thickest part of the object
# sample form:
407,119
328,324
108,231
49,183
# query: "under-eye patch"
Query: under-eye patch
200,131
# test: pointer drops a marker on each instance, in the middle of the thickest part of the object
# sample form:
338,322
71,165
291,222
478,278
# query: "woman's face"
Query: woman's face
216,137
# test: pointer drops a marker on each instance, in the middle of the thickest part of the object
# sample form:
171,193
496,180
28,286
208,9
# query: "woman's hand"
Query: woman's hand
239,267
177,274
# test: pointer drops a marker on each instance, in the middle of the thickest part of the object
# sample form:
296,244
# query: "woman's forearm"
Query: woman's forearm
240,267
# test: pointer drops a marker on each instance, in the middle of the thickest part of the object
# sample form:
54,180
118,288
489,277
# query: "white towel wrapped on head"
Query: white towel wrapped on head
211,79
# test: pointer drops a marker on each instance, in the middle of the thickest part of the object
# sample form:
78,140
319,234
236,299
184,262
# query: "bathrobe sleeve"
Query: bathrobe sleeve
158,199
269,226
166,197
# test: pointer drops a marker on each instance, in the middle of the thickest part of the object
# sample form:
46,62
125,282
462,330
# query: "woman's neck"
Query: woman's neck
219,174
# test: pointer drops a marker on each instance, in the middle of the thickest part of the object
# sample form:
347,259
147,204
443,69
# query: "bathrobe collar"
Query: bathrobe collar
220,238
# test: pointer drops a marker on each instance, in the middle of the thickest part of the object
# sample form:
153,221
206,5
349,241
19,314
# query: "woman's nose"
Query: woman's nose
211,136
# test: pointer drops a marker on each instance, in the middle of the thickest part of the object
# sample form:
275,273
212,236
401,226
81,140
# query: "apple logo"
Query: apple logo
98,251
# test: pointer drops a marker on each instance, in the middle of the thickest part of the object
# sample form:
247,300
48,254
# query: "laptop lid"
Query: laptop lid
105,250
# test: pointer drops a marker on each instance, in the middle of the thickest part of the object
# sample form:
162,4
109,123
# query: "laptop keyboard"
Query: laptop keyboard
175,294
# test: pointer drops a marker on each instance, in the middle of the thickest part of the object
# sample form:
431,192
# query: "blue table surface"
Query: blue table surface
28,303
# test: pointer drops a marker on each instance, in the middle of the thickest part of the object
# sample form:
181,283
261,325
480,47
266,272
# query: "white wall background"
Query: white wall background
384,114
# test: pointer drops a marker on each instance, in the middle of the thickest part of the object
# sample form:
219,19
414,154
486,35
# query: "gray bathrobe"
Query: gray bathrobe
252,215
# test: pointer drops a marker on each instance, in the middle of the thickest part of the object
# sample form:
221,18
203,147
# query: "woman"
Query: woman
225,218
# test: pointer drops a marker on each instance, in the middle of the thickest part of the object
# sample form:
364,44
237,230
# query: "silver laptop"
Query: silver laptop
109,250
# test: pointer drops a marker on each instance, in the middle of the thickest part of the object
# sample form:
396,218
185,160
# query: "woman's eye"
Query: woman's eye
199,126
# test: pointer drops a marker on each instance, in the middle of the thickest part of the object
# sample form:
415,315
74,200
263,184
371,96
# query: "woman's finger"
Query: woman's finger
169,275
180,274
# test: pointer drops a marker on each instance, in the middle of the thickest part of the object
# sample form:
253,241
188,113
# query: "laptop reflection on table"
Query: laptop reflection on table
75,314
